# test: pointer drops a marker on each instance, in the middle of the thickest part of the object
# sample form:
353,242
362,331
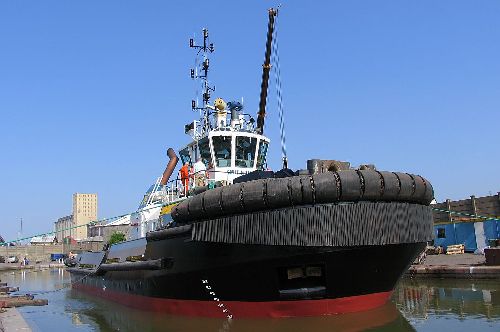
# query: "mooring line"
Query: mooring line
494,218
91,223
71,283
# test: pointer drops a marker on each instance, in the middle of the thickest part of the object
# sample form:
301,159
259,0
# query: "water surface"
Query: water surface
417,305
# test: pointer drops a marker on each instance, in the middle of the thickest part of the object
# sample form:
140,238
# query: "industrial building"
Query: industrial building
469,227
73,227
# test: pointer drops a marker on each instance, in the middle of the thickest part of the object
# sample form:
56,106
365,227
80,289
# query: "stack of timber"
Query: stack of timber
431,250
21,301
455,249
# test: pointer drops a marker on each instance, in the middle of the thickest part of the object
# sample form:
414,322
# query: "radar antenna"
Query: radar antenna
203,75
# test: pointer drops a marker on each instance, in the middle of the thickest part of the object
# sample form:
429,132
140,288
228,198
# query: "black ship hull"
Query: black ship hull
299,261
250,281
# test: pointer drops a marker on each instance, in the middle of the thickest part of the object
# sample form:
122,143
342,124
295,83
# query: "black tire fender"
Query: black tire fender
231,199
180,212
295,190
307,189
195,206
372,184
419,192
350,185
328,187
429,191
277,193
253,195
212,203
325,187
406,186
391,186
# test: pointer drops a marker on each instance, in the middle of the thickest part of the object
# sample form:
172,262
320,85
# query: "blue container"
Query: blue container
55,257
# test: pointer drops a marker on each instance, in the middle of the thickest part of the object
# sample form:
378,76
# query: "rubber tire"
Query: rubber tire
263,194
199,190
255,175
253,195
277,193
231,199
180,212
429,192
195,206
212,203
419,192
406,186
372,183
325,187
391,186
295,190
307,190
350,185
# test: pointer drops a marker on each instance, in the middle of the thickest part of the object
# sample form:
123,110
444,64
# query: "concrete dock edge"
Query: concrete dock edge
443,271
12,320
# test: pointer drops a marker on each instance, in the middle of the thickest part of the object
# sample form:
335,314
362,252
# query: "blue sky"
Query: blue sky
93,93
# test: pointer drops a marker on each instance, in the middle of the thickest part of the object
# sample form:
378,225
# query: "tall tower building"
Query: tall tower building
84,211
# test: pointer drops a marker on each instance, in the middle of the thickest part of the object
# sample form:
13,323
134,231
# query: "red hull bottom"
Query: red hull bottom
239,309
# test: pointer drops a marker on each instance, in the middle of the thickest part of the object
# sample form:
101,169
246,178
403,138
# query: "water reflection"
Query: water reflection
419,299
417,305
117,317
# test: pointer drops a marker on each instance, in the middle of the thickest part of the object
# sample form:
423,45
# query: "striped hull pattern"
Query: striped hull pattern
362,223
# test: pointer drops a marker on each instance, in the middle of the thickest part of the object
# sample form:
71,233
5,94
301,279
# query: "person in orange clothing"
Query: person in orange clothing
185,177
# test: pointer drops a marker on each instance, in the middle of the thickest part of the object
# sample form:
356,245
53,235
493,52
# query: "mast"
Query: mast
207,89
266,68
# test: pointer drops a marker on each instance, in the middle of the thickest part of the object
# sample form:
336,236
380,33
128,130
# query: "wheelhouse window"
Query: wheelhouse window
205,152
261,157
222,150
185,156
245,151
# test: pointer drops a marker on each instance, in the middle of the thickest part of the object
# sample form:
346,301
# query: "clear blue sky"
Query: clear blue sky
93,92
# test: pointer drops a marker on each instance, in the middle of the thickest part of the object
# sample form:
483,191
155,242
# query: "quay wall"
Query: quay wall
41,253
33,253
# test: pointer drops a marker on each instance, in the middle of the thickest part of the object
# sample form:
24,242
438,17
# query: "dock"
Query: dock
15,267
465,266
10,318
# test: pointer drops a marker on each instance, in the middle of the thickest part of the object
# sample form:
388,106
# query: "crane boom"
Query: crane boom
266,68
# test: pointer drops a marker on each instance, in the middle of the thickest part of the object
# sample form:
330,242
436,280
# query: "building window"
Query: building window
441,233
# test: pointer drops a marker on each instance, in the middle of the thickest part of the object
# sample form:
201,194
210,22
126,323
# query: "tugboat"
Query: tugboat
234,239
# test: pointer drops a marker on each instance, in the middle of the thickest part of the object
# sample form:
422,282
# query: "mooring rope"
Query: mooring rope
91,223
494,218
486,218
279,92
65,285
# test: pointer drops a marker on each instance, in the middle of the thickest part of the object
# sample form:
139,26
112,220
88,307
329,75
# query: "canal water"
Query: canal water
417,305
